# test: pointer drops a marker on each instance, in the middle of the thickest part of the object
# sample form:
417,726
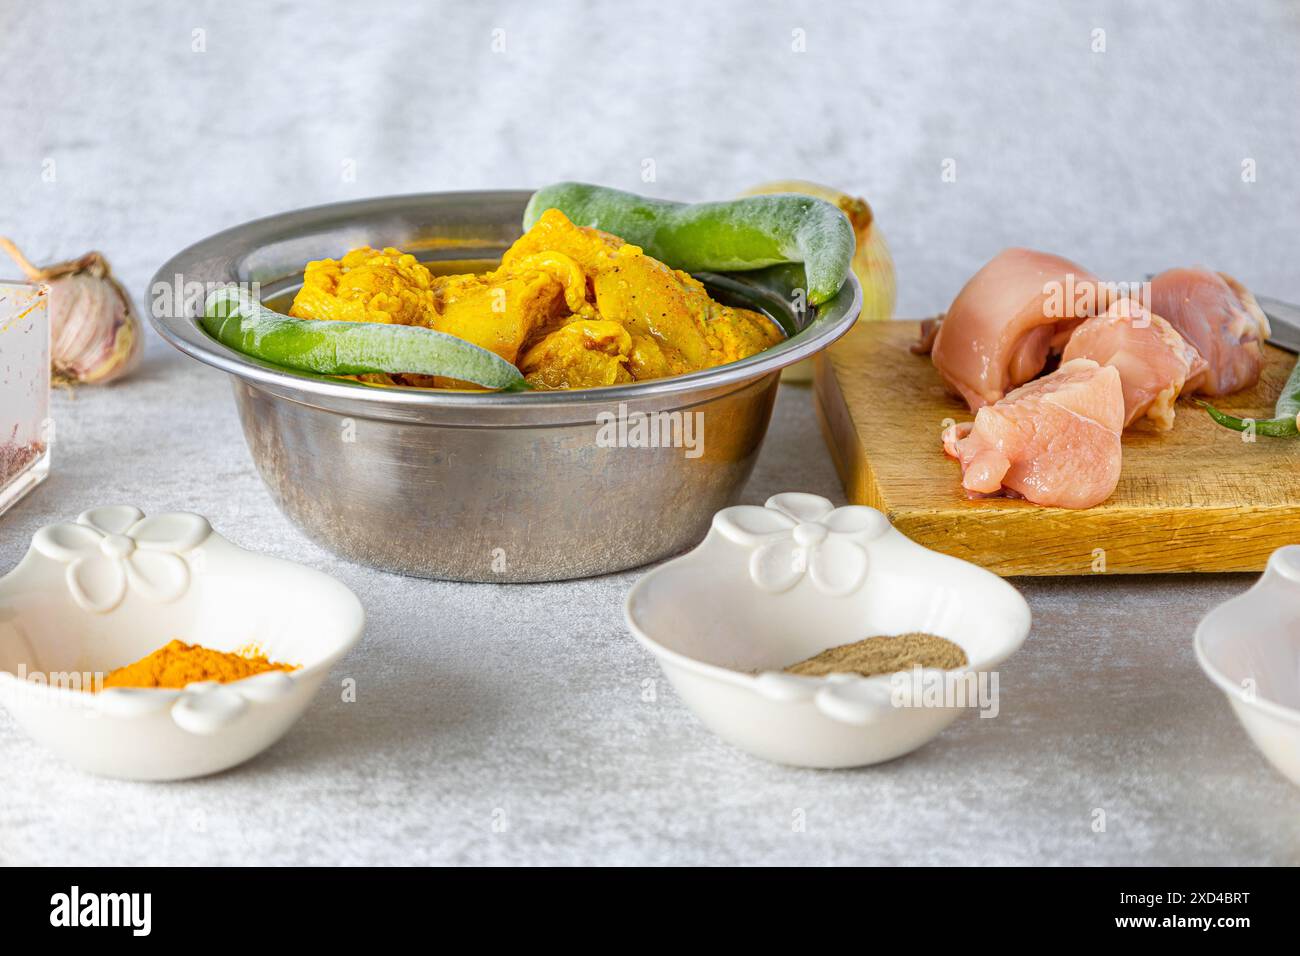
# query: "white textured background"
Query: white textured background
528,699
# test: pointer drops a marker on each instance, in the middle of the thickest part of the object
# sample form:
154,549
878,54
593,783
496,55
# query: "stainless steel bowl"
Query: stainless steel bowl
473,486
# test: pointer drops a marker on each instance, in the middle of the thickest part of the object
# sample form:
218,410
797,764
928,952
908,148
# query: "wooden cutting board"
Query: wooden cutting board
1196,498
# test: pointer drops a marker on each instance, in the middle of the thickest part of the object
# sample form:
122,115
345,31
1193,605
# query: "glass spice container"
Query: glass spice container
24,389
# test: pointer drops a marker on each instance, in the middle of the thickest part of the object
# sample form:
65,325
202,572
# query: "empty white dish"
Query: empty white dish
1250,647
775,585
114,586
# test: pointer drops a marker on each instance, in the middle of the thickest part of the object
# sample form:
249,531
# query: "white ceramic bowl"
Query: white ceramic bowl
114,586
1250,647
774,585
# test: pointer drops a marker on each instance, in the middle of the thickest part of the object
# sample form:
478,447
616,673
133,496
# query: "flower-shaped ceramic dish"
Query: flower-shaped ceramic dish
1250,647
775,585
114,586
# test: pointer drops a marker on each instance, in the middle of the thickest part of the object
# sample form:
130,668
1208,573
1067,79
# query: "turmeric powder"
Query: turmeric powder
179,664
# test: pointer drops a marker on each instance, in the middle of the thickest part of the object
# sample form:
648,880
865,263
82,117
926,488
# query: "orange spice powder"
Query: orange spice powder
179,664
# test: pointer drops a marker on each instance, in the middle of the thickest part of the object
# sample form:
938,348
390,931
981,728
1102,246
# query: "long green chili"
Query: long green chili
734,236
349,348
1283,424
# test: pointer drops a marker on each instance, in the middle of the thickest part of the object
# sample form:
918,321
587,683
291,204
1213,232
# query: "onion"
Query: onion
95,335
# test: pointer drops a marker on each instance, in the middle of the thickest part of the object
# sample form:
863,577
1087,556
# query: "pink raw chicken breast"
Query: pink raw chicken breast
1054,441
1153,360
1008,318
1219,316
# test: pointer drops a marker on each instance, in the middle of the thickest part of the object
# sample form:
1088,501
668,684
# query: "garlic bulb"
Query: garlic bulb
95,335
872,263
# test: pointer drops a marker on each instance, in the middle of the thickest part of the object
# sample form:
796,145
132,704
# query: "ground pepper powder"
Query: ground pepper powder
883,655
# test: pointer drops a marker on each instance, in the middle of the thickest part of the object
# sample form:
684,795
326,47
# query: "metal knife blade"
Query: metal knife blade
1283,321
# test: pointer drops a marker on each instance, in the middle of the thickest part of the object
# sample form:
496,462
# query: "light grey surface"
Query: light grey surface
479,703
480,700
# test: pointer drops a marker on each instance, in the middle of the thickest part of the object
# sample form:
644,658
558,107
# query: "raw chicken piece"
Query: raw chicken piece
1054,441
1008,318
1152,359
1219,316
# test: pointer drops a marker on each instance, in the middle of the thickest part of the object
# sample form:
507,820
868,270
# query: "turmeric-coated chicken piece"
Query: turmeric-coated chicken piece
366,286
581,354
671,307
572,307
735,334
496,311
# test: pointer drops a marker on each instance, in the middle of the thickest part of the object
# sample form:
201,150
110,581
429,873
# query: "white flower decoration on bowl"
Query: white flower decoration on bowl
847,698
795,534
111,549
201,708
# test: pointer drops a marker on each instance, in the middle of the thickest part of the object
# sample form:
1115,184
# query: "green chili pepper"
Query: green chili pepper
734,236
1283,424
349,348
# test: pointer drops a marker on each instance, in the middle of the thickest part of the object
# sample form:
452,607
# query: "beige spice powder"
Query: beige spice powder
883,655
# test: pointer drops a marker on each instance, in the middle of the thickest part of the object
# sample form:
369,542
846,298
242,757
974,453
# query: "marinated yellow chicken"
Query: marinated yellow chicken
366,286
570,306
